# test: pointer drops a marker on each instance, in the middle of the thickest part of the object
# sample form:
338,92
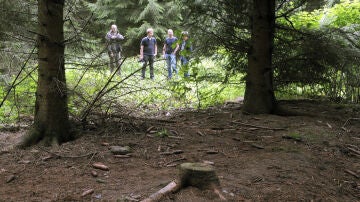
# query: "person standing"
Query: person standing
169,52
148,51
185,52
113,38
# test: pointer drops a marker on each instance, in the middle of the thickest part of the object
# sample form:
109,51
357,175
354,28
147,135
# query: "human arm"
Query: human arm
164,48
141,52
119,36
108,36
176,48
155,50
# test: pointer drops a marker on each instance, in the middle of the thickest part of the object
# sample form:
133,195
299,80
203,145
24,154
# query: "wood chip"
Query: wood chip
87,192
212,152
328,125
94,173
209,162
150,129
10,178
257,146
200,133
100,166
100,181
105,144
236,139
47,158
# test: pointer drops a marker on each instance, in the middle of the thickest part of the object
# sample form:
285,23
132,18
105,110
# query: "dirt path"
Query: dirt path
257,158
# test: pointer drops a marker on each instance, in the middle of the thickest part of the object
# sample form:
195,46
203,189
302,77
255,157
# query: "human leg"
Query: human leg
184,64
173,63
151,65
145,61
112,61
168,65
118,62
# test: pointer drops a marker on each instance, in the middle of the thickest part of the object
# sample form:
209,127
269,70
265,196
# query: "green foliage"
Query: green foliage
321,55
162,133
346,13
20,101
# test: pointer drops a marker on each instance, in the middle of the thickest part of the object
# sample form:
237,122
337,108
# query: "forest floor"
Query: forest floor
312,157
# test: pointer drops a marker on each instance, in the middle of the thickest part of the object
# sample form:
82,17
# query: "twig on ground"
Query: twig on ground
175,137
172,152
354,151
61,156
175,160
352,173
255,126
200,133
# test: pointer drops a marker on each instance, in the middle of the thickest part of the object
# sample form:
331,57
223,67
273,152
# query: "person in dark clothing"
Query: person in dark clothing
114,49
148,51
169,51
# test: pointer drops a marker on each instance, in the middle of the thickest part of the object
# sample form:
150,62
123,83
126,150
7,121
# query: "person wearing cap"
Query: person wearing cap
148,51
114,49
169,52
185,52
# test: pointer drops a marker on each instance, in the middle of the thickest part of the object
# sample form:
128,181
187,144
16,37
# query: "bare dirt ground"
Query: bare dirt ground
313,157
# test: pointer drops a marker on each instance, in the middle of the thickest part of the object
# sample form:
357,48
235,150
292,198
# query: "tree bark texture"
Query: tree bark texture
51,123
259,92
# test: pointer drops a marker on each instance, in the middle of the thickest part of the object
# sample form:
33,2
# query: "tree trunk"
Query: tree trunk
259,92
51,124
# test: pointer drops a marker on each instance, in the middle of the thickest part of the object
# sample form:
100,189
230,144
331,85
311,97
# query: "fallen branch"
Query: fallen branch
172,152
354,150
255,126
175,160
352,173
61,156
171,187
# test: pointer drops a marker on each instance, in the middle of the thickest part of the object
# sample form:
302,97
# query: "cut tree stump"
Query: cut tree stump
200,175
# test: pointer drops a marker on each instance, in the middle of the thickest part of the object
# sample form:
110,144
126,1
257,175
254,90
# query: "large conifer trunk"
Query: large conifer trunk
259,92
51,123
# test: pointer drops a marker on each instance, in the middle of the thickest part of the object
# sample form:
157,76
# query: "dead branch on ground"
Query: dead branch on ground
255,126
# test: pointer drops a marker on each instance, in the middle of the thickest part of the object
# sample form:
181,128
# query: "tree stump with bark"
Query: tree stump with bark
198,175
